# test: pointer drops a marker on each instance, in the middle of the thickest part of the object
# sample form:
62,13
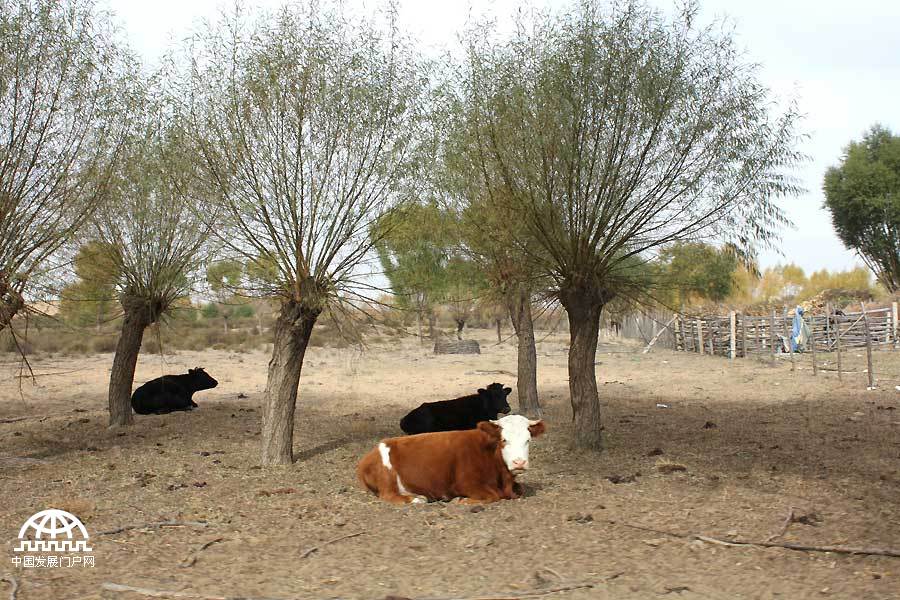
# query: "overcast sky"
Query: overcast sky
839,60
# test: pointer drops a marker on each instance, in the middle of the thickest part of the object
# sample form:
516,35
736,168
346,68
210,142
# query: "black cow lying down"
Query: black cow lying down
171,392
460,413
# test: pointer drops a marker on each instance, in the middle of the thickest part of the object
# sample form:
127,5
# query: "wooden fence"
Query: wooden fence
738,335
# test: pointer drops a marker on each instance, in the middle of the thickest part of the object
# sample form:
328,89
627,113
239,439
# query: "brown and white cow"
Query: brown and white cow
477,465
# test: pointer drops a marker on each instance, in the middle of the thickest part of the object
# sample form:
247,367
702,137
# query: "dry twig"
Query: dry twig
337,539
784,526
155,526
117,587
799,547
493,372
191,560
552,572
518,595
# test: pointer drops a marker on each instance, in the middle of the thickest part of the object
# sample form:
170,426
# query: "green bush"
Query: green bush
244,311
209,311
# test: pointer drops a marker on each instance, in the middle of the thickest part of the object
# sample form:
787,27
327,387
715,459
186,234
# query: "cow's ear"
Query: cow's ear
491,429
481,391
536,428
507,391
191,371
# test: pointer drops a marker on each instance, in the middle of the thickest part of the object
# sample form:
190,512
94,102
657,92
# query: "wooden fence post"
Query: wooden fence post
756,327
812,344
675,332
733,324
743,337
700,336
693,326
894,323
772,336
868,346
837,337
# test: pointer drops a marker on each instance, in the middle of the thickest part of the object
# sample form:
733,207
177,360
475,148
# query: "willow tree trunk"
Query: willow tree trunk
584,328
292,331
121,378
499,333
526,384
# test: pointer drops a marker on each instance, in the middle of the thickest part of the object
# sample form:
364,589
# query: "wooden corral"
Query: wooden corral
746,335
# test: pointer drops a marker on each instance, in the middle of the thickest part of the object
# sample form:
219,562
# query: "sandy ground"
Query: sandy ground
754,441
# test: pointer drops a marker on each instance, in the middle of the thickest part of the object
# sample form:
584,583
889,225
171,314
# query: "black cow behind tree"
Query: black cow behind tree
171,393
460,413
306,124
610,132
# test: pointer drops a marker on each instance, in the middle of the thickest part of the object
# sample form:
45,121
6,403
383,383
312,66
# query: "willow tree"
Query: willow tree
414,243
863,196
60,127
306,122
151,230
492,234
613,131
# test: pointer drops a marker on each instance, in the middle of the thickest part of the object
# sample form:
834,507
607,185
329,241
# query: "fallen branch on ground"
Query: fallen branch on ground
337,539
493,372
517,595
192,558
155,526
788,546
117,587
15,586
35,375
784,526
552,572
39,418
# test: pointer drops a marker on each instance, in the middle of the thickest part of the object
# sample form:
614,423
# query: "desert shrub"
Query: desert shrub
194,341
106,343
77,346
46,340
150,345
214,336
8,344
320,337
153,344
327,336
6,341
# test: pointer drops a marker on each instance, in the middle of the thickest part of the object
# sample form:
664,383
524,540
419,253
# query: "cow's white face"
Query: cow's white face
516,432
